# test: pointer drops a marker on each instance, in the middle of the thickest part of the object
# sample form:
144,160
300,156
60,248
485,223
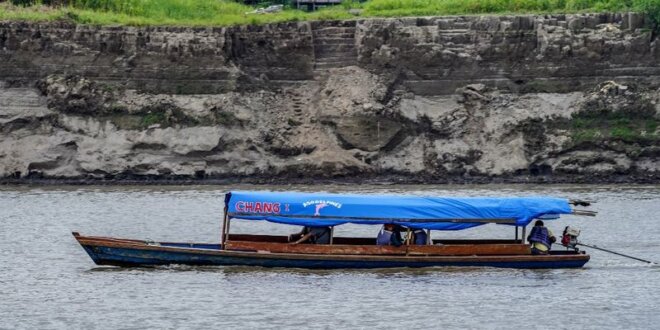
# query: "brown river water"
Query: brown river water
48,282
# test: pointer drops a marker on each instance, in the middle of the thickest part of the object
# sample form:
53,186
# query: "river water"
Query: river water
48,282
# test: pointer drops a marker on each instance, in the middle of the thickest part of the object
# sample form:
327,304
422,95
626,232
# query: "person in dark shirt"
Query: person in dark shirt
311,235
389,235
419,237
541,238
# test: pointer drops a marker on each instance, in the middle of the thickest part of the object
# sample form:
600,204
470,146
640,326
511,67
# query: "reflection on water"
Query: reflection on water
48,281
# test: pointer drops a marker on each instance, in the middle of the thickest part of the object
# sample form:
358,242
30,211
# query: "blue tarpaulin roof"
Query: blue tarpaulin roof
437,213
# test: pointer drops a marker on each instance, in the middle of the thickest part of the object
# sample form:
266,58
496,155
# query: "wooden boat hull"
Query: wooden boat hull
128,253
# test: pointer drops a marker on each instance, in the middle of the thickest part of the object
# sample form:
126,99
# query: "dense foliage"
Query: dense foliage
226,12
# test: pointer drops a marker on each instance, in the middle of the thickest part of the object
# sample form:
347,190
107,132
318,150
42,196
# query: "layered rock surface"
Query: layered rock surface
561,98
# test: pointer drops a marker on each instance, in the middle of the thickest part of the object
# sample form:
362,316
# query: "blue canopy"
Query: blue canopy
437,213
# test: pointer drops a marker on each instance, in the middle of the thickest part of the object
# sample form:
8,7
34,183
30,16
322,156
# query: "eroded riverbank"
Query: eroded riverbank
545,98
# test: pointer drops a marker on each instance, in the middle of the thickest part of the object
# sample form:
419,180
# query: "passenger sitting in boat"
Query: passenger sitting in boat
389,235
541,238
312,235
419,237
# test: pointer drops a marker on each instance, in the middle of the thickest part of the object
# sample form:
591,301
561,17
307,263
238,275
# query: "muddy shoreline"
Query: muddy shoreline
374,179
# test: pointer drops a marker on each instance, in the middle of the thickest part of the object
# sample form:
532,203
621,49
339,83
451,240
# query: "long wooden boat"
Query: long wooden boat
250,251
347,252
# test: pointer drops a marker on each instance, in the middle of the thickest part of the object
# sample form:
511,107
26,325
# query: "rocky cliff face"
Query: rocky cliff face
561,98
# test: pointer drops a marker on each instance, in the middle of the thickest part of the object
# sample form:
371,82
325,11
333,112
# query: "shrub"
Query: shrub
651,8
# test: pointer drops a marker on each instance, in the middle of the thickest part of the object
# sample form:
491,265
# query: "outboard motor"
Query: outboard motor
569,237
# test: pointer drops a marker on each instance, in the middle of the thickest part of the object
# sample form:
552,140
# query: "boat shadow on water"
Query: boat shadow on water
379,272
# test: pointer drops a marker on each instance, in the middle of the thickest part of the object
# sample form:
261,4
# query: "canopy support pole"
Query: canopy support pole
516,233
429,241
408,239
524,232
225,225
332,234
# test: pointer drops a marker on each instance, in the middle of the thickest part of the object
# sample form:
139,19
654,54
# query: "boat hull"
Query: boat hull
130,253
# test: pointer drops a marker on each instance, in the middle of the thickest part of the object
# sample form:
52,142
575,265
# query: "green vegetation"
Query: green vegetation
154,118
650,7
168,115
583,135
430,7
157,115
160,12
614,125
227,12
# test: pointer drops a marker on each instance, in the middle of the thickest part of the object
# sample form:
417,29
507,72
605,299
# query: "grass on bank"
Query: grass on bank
227,12
160,12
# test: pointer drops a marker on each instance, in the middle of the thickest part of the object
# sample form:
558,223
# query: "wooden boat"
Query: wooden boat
430,213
